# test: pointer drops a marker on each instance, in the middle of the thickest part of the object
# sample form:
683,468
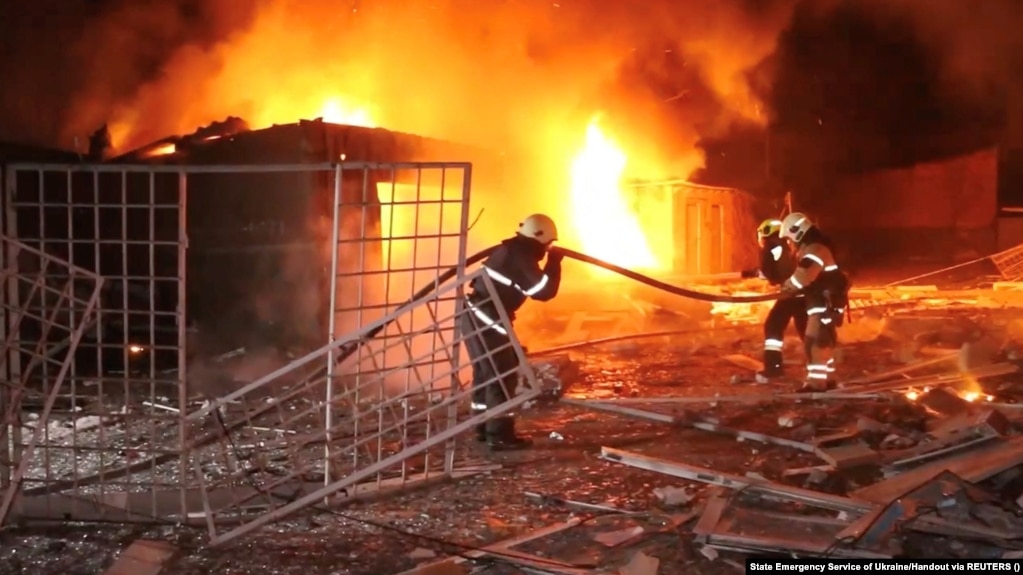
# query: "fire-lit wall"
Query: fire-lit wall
941,210
711,228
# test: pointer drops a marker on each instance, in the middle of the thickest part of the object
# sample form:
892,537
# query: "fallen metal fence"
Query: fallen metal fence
1009,263
387,414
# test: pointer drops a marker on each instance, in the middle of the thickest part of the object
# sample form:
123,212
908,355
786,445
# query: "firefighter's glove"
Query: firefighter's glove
554,258
748,274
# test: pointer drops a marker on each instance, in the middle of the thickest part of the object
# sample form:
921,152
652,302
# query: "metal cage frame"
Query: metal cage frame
150,439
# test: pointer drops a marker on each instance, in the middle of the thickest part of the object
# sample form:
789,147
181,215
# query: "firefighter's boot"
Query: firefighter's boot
501,435
773,369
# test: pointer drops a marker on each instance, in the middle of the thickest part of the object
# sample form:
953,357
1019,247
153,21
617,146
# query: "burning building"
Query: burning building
259,244
259,238
254,240
710,226
672,229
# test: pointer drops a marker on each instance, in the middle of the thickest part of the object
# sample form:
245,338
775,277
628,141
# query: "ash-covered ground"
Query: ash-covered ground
396,534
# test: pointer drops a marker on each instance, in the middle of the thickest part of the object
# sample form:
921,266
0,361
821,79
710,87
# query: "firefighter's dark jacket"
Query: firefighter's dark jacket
514,269
777,262
817,273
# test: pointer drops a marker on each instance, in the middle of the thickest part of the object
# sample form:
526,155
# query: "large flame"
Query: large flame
334,111
607,228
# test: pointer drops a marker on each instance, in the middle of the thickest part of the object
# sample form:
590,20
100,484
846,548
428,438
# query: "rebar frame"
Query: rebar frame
128,450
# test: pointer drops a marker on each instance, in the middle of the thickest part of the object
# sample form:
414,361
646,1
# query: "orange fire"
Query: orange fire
606,226
333,111
970,396
163,150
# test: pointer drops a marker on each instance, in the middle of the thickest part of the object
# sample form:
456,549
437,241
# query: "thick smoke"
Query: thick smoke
966,55
508,74
66,64
978,44
493,72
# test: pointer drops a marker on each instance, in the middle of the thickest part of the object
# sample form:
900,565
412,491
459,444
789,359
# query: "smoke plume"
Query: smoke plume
955,58
507,74
978,44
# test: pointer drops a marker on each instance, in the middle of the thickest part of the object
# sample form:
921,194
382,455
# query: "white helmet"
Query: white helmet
539,227
795,226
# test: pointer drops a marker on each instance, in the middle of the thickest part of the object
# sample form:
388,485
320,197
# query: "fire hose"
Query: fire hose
348,349
657,284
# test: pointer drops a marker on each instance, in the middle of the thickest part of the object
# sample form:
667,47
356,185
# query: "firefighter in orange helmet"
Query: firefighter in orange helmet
514,270
826,290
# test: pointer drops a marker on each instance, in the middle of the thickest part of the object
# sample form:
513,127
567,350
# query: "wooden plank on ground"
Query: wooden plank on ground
680,420
764,487
849,455
139,507
502,549
711,516
142,557
973,466
744,361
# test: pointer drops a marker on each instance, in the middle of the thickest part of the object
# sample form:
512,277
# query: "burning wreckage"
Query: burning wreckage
651,452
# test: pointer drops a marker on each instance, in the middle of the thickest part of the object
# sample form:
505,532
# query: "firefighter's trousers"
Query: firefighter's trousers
784,310
495,372
820,340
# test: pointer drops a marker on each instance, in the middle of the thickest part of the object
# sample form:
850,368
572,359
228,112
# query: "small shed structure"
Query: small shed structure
711,227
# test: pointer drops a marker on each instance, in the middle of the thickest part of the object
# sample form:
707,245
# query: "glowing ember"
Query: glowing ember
607,228
914,394
972,396
163,150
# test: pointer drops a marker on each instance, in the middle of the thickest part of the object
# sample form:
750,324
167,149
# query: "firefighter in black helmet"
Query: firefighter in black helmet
514,269
777,262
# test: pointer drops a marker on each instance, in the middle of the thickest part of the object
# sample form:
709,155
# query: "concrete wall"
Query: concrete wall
941,211
960,192
1010,230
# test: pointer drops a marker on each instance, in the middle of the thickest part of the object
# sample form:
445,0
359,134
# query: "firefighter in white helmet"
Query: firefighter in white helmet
826,291
514,270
